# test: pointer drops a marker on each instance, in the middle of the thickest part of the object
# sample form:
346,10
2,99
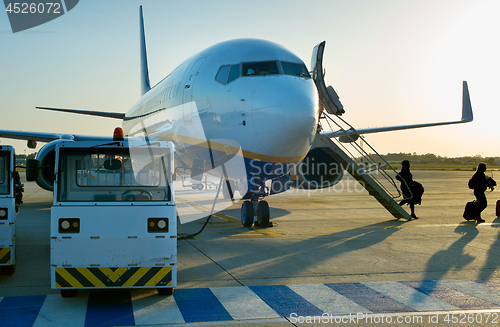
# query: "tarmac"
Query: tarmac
335,251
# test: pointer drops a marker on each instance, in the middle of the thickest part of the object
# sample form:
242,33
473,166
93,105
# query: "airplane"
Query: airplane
246,97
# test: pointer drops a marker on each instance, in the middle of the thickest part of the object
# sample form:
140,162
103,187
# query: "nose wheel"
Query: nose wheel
255,211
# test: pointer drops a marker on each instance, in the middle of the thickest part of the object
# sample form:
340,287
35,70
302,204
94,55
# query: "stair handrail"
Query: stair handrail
368,158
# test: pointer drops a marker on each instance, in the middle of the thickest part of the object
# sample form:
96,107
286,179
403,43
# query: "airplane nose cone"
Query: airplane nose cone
285,116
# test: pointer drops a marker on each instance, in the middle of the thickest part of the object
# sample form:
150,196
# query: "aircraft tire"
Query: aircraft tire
264,214
247,214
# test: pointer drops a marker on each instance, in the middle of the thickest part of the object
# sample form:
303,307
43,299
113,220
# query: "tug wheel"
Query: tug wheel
165,291
7,270
69,293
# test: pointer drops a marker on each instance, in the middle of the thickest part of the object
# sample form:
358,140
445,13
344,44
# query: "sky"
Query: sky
392,62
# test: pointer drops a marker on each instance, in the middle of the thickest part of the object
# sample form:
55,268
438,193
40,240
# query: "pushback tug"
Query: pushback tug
113,219
11,193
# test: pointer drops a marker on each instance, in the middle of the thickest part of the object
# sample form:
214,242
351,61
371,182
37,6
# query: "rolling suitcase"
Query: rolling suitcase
470,210
498,209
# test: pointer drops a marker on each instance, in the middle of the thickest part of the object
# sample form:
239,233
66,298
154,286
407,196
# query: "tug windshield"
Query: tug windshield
109,175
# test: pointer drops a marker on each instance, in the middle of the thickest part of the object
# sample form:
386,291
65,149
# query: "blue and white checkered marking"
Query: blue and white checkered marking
251,303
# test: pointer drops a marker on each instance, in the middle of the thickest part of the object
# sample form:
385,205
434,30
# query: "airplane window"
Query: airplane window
260,68
222,74
295,69
234,73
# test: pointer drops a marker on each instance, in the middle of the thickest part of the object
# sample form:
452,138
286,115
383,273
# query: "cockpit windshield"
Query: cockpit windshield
295,69
260,68
228,73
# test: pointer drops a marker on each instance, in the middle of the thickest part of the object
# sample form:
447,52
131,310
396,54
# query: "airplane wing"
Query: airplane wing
116,115
32,136
353,134
47,137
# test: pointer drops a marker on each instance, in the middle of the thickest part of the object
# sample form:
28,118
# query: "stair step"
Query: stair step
369,183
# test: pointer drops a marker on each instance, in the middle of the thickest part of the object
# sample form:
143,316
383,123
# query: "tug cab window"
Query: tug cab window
4,173
260,68
299,70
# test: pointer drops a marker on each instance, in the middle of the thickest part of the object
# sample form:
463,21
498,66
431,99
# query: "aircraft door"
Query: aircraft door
328,98
189,106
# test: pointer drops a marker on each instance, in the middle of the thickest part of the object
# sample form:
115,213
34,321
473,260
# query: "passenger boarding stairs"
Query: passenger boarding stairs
345,145
370,169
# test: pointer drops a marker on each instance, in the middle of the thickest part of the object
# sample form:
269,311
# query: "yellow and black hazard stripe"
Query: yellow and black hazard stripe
5,257
114,277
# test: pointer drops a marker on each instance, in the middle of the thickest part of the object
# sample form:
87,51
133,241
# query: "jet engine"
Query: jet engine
47,158
319,169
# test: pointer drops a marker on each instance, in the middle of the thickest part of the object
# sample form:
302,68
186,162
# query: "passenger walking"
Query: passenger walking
479,182
410,188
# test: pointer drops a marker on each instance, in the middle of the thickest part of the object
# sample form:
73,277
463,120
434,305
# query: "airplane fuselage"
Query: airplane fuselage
245,94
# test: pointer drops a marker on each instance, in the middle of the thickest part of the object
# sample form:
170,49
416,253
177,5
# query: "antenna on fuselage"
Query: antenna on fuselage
145,86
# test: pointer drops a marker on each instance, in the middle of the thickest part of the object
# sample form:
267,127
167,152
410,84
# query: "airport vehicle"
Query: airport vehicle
246,97
113,219
10,198
194,184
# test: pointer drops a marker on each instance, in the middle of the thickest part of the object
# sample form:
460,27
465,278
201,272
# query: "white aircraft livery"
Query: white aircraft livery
247,110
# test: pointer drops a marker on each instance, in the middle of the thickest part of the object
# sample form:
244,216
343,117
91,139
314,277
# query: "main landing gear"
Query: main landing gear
255,211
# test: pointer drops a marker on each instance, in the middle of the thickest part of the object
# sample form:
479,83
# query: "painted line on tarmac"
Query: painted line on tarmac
449,295
410,296
216,214
310,232
474,289
242,303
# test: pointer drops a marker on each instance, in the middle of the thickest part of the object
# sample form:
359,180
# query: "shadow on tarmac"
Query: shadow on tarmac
452,258
273,258
275,212
493,260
